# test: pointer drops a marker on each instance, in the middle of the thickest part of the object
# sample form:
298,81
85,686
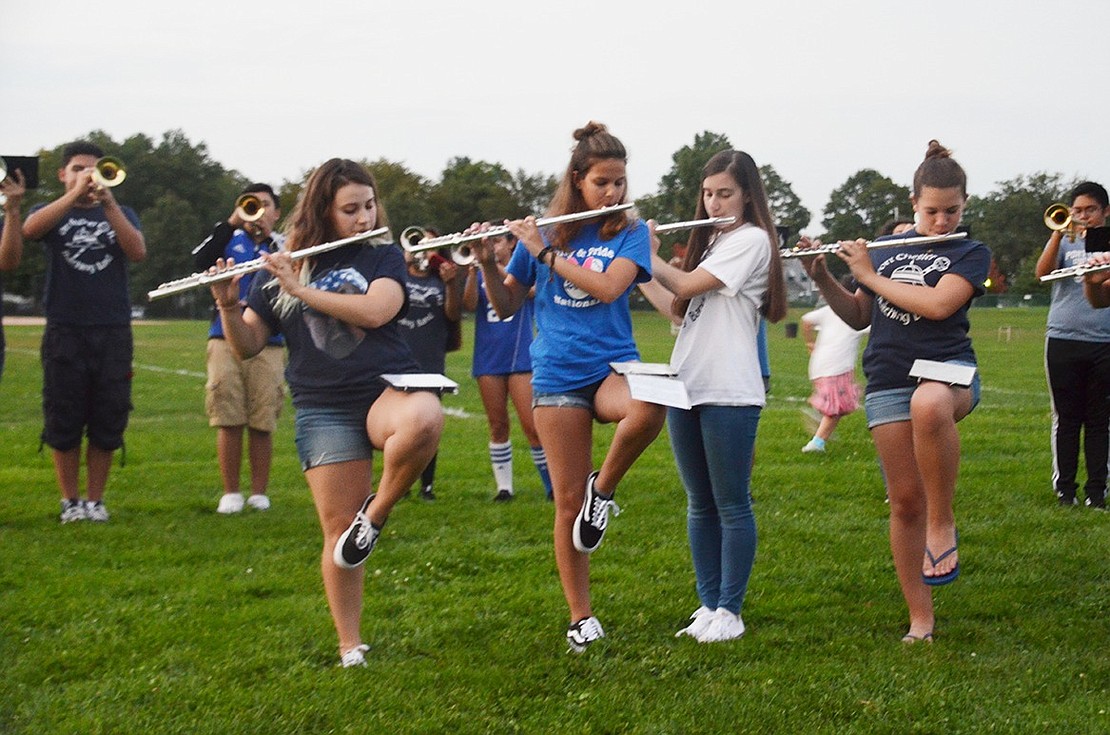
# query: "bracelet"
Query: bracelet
543,253
226,307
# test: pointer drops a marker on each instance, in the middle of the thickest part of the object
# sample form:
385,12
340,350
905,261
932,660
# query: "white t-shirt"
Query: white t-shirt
837,345
715,353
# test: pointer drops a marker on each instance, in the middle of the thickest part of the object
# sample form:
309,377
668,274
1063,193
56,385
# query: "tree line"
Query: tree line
180,192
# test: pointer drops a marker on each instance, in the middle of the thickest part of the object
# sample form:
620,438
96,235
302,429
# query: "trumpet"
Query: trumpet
458,238
690,224
832,247
413,241
1058,219
203,279
108,172
249,208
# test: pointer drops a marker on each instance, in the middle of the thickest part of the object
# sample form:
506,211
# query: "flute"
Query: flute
835,246
708,222
1074,271
458,238
203,279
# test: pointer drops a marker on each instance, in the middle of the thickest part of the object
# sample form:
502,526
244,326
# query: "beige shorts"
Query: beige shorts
244,392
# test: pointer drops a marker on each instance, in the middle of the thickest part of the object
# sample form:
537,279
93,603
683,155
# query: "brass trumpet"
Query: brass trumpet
412,237
108,172
1058,219
249,208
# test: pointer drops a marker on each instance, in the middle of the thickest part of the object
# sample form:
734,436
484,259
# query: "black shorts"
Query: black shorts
86,385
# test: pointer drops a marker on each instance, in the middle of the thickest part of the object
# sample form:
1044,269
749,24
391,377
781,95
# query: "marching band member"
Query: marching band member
916,298
582,273
729,280
338,313
1077,357
502,366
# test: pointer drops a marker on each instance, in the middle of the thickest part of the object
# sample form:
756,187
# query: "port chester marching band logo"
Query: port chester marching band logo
908,269
86,248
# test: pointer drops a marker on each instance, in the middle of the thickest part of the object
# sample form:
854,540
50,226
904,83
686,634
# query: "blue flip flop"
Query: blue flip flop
943,578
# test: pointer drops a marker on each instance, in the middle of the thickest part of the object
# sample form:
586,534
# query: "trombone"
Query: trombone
457,239
249,208
413,238
108,172
1058,219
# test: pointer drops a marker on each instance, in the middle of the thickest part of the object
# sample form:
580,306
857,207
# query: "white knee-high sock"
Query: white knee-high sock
501,459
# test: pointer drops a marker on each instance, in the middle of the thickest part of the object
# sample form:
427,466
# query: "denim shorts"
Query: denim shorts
574,398
892,405
331,435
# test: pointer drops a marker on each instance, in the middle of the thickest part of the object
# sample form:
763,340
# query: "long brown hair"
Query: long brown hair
595,143
310,223
741,167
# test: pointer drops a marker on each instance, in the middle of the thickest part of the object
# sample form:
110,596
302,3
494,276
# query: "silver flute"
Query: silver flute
690,224
204,278
458,238
1074,271
835,246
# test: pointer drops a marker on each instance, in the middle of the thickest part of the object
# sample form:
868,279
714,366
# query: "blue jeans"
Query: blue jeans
713,448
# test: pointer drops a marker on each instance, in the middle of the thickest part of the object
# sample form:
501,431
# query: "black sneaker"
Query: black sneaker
1066,500
426,493
503,496
589,526
356,543
581,634
1097,503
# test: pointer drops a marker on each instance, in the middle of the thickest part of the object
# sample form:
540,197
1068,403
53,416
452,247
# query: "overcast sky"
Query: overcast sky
819,90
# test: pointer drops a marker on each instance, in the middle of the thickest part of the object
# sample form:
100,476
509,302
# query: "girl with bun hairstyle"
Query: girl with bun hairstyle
583,272
915,299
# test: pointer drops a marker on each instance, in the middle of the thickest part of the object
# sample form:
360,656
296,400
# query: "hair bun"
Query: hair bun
590,129
936,150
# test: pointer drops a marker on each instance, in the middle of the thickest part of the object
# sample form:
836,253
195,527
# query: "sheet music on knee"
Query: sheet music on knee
653,382
421,381
943,372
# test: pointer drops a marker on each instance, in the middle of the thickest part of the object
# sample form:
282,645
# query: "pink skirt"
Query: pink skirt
836,395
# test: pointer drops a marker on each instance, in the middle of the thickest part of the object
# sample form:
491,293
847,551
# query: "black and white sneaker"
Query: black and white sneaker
72,510
503,496
581,634
426,493
589,526
356,543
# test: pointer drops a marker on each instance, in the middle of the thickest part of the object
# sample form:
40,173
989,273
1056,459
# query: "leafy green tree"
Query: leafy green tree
532,192
404,194
862,205
1010,220
786,207
677,194
472,191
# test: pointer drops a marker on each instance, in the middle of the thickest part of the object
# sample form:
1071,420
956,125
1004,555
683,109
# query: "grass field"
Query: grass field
172,619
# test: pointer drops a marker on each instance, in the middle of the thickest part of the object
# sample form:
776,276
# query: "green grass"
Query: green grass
172,619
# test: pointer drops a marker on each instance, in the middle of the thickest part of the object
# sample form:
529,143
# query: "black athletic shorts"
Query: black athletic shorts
86,385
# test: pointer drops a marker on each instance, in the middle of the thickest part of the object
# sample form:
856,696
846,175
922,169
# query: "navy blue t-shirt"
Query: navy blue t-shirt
899,337
86,270
425,326
333,364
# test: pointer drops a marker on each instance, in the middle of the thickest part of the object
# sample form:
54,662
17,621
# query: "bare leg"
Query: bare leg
935,409
261,457
406,427
339,491
494,390
520,390
638,423
67,470
98,463
567,436
908,513
229,453
827,427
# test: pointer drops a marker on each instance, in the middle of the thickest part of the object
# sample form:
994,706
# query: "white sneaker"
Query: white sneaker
230,503
581,634
95,511
72,510
354,657
724,626
701,618
812,447
259,501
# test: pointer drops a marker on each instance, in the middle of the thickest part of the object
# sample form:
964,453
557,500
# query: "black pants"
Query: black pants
1079,377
